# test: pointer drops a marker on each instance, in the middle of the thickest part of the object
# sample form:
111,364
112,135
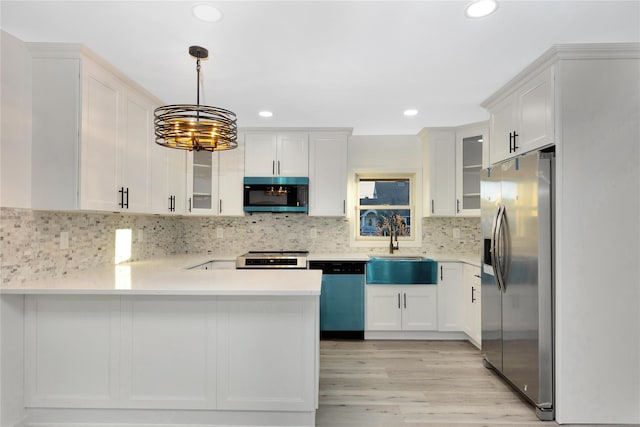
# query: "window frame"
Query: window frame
415,239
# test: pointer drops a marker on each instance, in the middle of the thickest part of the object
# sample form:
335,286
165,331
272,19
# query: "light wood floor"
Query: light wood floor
413,383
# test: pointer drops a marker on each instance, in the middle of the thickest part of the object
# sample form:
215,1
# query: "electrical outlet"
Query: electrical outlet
64,240
140,235
313,233
220,232
456,233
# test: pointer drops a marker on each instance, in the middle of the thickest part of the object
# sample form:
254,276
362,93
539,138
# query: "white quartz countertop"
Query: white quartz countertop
168,276
171,276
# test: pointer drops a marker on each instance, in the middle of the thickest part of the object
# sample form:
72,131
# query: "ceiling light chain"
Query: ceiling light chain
196,127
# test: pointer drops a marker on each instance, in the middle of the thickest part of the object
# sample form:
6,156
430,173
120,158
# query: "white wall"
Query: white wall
598,243
394,152
382,154
15,136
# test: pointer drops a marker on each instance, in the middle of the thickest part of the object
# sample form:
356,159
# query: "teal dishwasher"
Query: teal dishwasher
341,299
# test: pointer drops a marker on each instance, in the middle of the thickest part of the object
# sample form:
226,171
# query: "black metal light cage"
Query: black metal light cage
195,127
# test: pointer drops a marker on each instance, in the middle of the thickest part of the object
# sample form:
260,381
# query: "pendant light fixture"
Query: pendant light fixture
196,127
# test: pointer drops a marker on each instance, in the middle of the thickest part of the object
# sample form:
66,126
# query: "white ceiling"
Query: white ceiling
353,64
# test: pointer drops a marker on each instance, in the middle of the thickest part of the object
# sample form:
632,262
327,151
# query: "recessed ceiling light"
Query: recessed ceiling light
206,12
480,8
410,112
265,114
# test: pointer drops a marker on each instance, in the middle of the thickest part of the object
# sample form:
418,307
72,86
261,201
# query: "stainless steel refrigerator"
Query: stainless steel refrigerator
517,275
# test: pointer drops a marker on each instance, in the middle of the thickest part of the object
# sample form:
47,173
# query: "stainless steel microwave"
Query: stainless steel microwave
276,194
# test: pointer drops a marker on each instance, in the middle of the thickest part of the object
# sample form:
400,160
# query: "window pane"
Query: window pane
383,192
375,222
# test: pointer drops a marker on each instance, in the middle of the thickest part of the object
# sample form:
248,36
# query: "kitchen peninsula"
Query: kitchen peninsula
153,342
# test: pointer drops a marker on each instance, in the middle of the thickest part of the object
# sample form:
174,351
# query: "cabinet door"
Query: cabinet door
160,202
476,332
469,142
535,112
419,308
99,150
442,164
503,123
177,177
134,149
383,309
230,177
292,154
260,154
450,296
327,174
469,296
168,180
202,183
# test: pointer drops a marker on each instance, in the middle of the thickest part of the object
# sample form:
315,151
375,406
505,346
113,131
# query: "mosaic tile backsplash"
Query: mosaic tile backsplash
30,240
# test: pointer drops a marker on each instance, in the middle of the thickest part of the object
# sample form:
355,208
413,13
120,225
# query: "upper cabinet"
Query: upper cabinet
214,182
327,174
277,154
522,119
453,160
440,160
168,180
92,134
469,144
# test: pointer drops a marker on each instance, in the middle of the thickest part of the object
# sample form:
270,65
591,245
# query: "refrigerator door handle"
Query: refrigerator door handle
493,249
496,253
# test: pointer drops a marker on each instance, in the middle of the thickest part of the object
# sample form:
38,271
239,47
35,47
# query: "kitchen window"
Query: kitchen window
385,205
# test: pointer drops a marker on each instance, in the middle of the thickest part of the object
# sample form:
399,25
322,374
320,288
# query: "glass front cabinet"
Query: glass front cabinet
469,142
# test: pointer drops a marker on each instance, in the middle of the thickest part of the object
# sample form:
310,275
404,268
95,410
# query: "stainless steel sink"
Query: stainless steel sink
398,257
396,270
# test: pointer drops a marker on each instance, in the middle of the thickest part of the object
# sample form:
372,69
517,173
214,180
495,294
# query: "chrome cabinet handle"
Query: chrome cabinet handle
405,300
441,274
273,167
433,209
398,301
278,167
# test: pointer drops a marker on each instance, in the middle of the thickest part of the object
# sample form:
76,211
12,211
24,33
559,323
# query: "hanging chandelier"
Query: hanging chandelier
196,127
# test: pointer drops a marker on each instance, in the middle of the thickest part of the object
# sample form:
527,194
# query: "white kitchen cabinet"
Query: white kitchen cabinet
202,183
472,304
170,352
214,182
176,177
92,134
327,174
230,177
450,297
401,308
523,119
277,154
469,145
168,183
453,160
440,159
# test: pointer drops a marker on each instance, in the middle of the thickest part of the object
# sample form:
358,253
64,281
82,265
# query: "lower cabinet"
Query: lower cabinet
226,353
401,308
450,297
472,307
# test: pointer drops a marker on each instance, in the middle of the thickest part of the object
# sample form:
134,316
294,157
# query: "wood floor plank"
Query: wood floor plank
414,383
